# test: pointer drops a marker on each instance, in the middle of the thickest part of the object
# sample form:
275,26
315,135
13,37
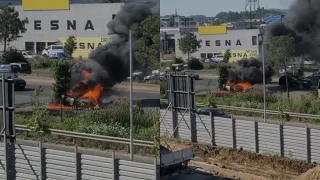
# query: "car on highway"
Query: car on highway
295,82
9,68
19,83
51,49
314,77
25,68
136,76
192,73
214,111
291,70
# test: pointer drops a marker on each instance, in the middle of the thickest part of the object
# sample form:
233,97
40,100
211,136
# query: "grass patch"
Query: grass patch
113,120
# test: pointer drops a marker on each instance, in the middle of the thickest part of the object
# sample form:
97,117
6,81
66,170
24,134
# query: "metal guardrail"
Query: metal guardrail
91,136
252,110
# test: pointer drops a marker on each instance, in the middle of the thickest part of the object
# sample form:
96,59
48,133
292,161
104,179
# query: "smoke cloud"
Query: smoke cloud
249,70
302,22
109,64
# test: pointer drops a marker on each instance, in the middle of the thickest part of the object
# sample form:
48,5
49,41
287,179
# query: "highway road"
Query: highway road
202,84
148,98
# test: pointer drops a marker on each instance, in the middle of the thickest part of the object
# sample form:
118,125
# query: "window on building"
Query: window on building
29,46
210,55
113,16
208,43
203,55
254,40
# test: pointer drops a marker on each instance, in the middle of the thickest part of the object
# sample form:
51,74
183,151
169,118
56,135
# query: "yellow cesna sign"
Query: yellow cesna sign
239,54
84,45
34,5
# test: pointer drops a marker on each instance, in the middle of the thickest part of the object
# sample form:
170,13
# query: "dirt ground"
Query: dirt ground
238,164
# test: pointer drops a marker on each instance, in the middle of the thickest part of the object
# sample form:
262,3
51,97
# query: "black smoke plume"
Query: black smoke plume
249,70
109,64
301,22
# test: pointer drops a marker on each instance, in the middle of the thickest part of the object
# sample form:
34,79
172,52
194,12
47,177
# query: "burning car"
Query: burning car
82,94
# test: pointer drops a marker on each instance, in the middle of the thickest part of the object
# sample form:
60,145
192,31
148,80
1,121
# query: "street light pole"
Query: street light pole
131,104
264,78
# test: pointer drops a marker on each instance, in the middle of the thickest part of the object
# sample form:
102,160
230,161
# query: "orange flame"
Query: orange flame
94,93
243,85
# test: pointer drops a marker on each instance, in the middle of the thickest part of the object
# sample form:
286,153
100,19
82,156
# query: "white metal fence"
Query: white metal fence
287,140
30,160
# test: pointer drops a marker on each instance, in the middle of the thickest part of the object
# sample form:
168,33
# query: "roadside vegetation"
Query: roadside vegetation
113,120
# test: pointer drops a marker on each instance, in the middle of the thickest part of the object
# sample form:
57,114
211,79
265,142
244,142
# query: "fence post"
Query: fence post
41,161
281,140
213,133
234,140
193,127
175,129
114,167
256,135
156,173
76,156
308,153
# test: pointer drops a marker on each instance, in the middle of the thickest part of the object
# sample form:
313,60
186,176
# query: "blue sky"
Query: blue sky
213,7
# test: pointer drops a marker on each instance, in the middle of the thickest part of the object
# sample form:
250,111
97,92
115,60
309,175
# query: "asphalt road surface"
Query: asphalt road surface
150,99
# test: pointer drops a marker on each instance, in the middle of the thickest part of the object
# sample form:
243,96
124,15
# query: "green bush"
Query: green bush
40,62
12,55
254,99
195,64
163,89
210,65
113,120
178,61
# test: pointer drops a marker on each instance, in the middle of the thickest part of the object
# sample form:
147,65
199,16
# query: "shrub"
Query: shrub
210,65
178,61
40,62
195,64
163,89
12,55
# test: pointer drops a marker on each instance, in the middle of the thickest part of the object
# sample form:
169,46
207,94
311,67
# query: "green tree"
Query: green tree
12,56
280,52
11,26
147,35
223,70
70,46
62,76
38,122
189,44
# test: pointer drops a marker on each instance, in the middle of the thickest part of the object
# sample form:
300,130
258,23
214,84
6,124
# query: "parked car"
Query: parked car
27,54
295,82
58,55
208,60
25,68
217,58
51,49
9,68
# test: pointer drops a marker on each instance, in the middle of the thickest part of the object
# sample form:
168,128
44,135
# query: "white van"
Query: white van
52,48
